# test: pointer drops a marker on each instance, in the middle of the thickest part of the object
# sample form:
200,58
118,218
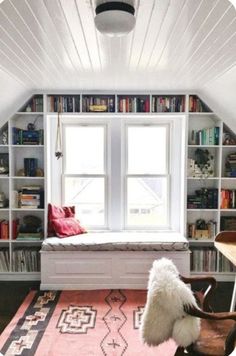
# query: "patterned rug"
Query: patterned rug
80,323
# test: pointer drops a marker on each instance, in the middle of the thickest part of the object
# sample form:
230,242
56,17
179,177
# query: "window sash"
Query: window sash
136,175
89,175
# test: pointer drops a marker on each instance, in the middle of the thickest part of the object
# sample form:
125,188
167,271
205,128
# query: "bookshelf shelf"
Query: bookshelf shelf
22,139
207,132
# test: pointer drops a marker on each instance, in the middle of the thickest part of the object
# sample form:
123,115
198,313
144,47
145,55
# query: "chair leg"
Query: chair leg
180,351
230,341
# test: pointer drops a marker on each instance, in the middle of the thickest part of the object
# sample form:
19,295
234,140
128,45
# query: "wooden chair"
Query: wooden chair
218,330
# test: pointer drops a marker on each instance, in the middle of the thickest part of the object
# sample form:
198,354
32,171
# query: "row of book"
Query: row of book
25,260
4,260
4,229
203,260
208,232
225,265
168,103
31,197
196,105
63,103
35,104
230,165
228,223
133,104
205,198
17,232
30,166
98,104
27,137
206,136
228,199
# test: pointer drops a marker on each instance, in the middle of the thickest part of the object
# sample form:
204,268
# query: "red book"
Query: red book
15,224
5,230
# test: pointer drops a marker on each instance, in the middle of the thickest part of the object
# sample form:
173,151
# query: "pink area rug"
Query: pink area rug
80,323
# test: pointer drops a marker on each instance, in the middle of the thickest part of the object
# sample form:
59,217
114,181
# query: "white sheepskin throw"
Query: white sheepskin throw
164,315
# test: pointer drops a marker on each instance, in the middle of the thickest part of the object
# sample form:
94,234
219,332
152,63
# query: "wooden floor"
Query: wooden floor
11,296
13,293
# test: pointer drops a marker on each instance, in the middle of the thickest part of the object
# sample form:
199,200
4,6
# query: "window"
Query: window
147,182
85,172
119,171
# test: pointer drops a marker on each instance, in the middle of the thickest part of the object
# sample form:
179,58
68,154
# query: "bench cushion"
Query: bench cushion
118,241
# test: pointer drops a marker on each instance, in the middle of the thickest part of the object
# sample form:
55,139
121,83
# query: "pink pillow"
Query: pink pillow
58,212
65,227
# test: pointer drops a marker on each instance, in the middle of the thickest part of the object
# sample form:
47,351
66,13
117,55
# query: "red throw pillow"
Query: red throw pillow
58,212
65,227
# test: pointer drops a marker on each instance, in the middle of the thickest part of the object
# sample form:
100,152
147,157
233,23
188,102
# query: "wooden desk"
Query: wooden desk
225,242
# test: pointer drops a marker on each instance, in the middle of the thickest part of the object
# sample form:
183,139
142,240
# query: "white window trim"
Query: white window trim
177,124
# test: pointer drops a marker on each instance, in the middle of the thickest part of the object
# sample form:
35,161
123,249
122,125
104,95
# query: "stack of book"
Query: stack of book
204,198
228,223
27,137
31,197
30,229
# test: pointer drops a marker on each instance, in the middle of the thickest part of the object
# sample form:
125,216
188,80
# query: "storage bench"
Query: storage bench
108,260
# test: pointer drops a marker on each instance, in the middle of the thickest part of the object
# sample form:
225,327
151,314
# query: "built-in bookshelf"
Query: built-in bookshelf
22,191
210,170
211,205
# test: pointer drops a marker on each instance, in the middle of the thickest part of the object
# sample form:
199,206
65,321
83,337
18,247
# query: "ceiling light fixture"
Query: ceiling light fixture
233,2
114,18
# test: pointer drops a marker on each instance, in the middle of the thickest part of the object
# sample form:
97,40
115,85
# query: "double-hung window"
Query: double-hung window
123,173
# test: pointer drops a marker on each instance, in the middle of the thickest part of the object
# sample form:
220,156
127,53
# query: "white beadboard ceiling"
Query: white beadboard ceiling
176,46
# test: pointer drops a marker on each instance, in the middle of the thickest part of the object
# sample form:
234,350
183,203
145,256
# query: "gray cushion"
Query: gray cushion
118,241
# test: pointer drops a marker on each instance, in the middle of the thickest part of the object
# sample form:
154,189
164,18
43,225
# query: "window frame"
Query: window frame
115,126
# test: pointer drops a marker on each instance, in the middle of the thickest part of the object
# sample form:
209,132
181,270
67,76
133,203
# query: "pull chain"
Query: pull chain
58,150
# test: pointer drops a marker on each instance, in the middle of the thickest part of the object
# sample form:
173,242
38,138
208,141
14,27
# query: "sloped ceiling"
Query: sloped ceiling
176,46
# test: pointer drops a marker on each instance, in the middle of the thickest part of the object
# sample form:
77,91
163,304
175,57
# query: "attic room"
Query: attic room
117,148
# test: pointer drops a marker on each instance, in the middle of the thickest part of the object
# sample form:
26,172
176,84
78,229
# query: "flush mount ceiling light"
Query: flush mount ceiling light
114,18
233,2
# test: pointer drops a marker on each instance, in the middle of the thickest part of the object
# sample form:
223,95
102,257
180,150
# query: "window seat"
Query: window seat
118,241
108,260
